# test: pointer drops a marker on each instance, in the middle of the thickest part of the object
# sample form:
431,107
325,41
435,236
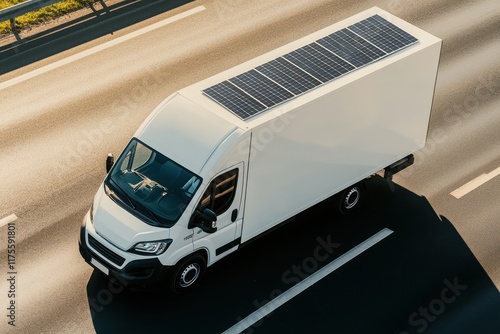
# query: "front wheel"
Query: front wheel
350,198
188,273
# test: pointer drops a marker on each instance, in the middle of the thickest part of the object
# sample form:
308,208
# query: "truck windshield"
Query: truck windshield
151,186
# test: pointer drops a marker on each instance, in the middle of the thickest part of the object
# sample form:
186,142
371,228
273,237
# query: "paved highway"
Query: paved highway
71,96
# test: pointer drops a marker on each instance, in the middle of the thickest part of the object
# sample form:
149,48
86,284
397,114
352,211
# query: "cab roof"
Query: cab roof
184,132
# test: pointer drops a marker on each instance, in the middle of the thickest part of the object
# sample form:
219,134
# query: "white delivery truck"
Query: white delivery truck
222,161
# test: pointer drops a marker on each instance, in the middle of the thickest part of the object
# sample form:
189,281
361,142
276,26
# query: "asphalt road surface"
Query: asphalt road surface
73,91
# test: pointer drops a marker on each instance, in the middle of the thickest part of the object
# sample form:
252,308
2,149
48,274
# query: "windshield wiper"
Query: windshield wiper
151,214
134,205
123,193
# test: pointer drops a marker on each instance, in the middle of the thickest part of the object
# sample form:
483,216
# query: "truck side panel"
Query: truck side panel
338,138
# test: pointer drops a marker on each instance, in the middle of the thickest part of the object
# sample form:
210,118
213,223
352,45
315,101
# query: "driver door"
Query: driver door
223,197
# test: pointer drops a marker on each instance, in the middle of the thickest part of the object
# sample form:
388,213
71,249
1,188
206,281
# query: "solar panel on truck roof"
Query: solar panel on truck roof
262,88
382,34
351,47
288,75
310,66
235,100
318,62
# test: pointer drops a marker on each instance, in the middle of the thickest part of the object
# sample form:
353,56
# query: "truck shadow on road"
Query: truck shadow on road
421,278
80,30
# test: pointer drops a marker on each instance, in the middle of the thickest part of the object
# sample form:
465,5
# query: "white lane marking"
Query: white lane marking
99,48
308,282
477,182
8,219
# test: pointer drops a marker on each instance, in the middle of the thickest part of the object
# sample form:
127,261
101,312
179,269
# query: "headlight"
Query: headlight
152,247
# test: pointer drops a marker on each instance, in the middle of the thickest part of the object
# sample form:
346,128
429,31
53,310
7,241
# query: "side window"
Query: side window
220,193
142,155
125,162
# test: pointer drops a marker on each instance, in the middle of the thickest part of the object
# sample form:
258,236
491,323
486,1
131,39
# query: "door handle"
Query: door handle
234,215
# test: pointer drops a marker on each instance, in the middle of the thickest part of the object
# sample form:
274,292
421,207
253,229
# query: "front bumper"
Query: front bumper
136,275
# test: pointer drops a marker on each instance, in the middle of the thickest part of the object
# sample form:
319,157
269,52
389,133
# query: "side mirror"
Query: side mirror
205,220
110,161
209,215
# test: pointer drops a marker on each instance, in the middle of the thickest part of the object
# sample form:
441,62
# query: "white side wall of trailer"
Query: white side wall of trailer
338,138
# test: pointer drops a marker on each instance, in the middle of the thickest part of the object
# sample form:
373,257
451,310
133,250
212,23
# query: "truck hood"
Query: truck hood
121,228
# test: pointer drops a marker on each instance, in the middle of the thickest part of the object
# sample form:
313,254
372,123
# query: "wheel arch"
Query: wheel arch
203,252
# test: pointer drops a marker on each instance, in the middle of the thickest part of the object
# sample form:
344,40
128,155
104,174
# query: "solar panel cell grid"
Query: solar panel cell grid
299,59
263,89
351,47
409,39
315,63
235,100
382,34
288,75
330,60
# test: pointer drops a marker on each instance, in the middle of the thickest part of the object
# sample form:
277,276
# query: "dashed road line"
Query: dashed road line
475,183
8,219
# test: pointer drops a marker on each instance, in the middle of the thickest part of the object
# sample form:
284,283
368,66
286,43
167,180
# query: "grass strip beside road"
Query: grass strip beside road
41,15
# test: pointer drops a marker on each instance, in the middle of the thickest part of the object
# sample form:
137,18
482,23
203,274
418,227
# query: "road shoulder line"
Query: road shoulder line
99,48
308,282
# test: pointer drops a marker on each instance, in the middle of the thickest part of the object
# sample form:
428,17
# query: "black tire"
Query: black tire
188,273
350,199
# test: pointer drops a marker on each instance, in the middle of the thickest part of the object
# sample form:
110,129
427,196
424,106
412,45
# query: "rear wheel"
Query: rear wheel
350,198
188,273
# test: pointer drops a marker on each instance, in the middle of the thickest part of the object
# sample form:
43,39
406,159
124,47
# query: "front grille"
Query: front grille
105,252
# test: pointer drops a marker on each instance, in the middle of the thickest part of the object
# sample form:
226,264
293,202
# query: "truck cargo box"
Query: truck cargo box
315,144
